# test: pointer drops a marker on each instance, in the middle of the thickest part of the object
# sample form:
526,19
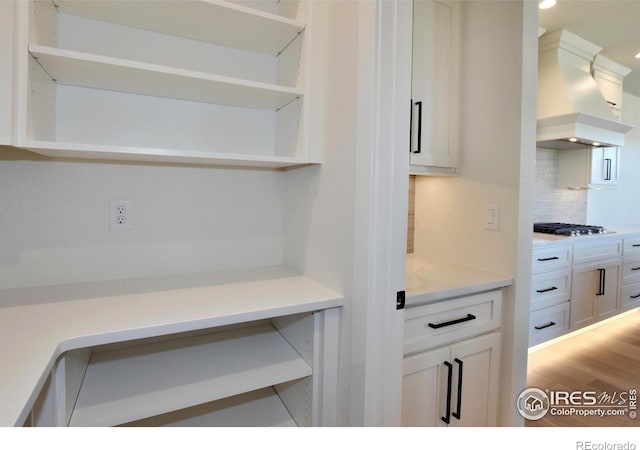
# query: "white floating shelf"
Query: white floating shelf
261,408
213,21
115,74
159,155
129,384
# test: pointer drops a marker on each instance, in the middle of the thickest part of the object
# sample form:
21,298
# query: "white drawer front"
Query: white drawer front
630,271
630,296
553,258
631,247
550,288
440,323
597,251
548,323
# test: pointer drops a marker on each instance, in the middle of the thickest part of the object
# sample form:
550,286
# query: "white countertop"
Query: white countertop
39,324
430,280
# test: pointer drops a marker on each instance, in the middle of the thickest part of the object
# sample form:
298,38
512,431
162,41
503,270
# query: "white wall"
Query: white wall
621,206
54,220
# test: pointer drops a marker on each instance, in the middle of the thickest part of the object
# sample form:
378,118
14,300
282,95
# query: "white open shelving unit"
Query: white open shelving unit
191,81
147,380
254,347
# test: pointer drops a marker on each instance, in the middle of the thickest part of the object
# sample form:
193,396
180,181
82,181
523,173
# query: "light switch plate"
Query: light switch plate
492,216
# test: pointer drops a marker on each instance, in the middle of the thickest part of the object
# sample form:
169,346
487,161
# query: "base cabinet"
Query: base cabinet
452,386
451,362
594,293
630,278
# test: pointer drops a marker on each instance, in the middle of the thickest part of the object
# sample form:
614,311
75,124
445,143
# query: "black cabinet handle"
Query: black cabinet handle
458,413
548,259
451,322
607,176
540,291
542,327
410,125
635,245
634,296
601,285
635,268
447,417
419,105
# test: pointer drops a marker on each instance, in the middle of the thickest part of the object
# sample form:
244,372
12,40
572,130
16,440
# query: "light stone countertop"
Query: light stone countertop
430,280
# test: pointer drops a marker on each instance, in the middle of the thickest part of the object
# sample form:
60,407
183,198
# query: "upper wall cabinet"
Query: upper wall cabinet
609,76
190,81
596,167
435,87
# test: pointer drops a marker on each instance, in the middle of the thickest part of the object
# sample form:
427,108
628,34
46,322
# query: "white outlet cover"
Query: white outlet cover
119,214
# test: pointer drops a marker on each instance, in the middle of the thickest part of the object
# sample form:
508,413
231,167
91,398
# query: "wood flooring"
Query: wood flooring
604,359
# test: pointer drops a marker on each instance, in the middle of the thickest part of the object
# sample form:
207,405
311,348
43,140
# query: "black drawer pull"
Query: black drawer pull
542,327
635,268
548,259
635,245
634,296
540,291
452,322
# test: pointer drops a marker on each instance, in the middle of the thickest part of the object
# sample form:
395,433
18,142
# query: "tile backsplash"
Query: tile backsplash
552,204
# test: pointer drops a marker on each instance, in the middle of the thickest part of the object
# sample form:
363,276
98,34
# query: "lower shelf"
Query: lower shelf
146,380
261,408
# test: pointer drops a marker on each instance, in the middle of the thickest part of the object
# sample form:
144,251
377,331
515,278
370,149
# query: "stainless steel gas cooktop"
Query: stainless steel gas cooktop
567,229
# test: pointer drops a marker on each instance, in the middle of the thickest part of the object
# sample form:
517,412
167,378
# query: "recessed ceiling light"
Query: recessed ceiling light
573,140
546,4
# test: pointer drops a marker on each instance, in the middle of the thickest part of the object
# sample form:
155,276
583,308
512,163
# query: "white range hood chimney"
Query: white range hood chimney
572,112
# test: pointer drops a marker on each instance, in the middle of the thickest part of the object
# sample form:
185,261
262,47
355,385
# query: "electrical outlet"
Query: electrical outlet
120,214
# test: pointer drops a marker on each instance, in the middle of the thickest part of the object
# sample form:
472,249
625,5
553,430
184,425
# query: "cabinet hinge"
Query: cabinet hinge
400,300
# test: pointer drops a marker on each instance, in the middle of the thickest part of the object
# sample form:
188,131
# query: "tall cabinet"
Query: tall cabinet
435,87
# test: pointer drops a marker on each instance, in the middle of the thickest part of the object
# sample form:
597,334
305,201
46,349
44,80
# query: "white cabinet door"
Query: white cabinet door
423,388
476,401
434,86
594,293
605,166
454,385
607,302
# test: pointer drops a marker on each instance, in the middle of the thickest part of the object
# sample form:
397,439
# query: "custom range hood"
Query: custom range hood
572,112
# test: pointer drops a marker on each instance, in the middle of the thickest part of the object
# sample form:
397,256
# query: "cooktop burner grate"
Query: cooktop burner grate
567,229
